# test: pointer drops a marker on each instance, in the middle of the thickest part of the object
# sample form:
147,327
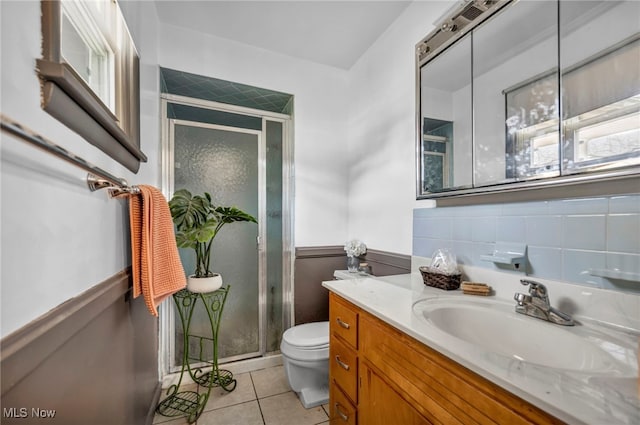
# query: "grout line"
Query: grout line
325,410
275,395
257,399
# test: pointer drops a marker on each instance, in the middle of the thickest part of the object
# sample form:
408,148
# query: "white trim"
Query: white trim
434,138
166,342
288,214
262,242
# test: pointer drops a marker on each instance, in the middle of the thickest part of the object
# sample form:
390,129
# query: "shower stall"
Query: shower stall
234,142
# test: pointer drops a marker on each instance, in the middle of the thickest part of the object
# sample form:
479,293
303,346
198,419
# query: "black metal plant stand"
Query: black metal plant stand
191,403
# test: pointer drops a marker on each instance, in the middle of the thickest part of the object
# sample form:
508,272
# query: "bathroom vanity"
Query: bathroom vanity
390,365
392,378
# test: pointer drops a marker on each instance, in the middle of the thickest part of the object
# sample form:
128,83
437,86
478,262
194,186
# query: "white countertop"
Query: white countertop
574,397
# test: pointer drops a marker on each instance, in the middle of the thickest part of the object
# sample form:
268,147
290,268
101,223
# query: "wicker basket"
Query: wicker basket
437,279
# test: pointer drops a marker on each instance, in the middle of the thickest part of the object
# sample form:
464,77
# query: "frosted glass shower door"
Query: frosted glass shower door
227,163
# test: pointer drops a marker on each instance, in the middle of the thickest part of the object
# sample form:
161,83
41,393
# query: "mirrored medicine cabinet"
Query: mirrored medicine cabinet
516,95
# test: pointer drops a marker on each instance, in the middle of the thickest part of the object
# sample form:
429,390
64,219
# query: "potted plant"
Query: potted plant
198,222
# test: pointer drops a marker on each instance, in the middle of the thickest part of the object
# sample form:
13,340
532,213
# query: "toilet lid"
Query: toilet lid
309,335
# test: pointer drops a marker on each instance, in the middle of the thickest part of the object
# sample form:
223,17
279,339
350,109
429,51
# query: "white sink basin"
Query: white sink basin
495,327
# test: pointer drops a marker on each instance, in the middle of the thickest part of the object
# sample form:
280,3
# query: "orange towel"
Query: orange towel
156,266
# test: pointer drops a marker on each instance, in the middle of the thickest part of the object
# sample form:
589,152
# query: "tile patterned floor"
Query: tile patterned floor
261,397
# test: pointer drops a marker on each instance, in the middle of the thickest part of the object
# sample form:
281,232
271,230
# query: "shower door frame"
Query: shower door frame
166,346
261,216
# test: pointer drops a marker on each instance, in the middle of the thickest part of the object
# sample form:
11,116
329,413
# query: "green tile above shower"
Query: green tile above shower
216,90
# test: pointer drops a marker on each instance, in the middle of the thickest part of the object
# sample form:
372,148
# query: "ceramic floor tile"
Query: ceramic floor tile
242,393
240,414
286,409
164,420
270,381
160,419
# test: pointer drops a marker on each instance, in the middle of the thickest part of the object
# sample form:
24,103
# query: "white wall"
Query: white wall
462,138
59,239
51,223
382,174
320,120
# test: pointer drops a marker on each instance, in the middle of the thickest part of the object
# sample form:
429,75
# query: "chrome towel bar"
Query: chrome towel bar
97,177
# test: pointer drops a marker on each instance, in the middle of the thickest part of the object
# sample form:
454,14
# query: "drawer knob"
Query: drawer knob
341,363
344,416
343,324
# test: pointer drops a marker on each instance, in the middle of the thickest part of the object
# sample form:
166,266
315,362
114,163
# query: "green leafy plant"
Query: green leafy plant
198,222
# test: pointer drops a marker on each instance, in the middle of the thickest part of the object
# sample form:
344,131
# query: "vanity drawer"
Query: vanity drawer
343,319
341,410
343,367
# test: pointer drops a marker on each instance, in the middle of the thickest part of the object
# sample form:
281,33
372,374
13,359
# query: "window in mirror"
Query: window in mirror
89,75
607,140
515,94
446,122
601,124
83,47
532,128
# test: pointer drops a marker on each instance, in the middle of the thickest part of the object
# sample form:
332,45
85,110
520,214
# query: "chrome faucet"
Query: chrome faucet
536,304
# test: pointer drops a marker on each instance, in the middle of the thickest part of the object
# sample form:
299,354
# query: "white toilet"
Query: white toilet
305,355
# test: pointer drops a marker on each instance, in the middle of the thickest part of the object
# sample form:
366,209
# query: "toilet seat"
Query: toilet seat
310,336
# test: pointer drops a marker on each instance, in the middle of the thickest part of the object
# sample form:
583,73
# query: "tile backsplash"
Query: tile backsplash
565,238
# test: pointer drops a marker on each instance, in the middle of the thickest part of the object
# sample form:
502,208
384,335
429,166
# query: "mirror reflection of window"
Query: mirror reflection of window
515,94
89,73
532,135
601,85
84,48
608,140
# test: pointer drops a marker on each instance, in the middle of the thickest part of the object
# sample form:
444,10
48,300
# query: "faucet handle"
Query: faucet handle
535,288
520,298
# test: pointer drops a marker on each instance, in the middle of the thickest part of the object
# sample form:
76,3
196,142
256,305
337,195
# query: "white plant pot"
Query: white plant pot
204,284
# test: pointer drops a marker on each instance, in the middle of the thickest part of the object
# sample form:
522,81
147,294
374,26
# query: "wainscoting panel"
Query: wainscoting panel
313,265
384,263
91,360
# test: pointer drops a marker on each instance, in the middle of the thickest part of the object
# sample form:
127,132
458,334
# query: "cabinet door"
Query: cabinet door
381,405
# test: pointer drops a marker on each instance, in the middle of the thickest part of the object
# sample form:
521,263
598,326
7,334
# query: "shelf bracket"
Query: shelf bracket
508,255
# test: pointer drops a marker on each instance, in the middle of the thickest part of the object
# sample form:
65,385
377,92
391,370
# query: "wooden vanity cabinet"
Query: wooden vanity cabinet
401,381
380,404
343,361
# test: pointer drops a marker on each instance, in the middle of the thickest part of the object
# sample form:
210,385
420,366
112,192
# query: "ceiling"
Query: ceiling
334,33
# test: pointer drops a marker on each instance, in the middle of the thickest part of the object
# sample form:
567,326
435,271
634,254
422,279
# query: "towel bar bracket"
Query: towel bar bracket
96,183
